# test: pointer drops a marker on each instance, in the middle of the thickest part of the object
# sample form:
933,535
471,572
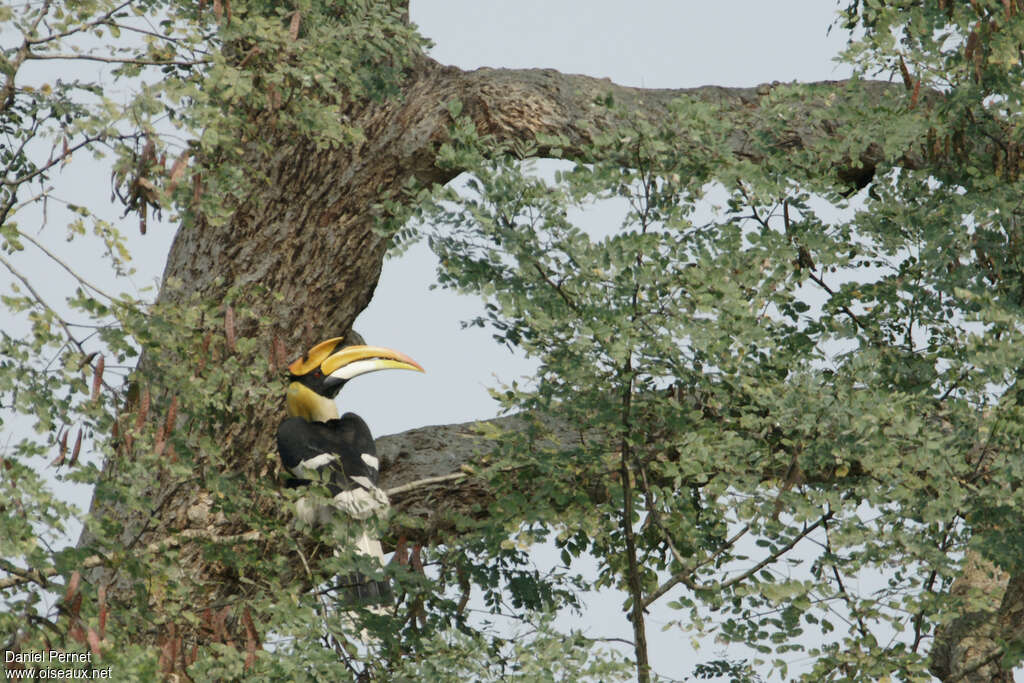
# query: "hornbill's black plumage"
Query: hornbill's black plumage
318,446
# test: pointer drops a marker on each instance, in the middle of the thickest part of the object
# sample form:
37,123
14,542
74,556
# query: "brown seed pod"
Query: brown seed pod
72,588
97,377
62,450
143,413
94,641
908,82
77,449
972,45
172,416
101,598
229,327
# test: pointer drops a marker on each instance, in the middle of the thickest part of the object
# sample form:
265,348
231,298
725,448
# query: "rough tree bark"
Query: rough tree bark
308,234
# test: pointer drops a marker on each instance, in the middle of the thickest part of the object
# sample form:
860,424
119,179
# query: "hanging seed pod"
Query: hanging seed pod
172,416
93,639
140,417
280,352
101,598
972,45
252,639
908,82
62,450
229,327
77,449
72,588
97,377
201,365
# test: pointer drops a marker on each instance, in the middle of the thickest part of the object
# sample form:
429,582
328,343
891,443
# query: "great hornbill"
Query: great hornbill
317,446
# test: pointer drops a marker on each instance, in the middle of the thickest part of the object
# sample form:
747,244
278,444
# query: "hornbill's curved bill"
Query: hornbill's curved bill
316,445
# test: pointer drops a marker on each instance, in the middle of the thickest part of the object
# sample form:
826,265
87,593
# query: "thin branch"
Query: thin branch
21,180
117,60
39,299
556,286
842,307
64,265
105,19
154,34
412,485
652,508
684,577
929,585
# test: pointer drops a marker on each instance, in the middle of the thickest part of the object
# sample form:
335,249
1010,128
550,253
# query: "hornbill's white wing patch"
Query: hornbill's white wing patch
309,468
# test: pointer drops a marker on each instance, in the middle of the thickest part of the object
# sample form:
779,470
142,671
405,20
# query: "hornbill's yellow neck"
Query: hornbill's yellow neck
303,402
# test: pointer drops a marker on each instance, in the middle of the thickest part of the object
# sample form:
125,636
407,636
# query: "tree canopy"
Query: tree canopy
789,373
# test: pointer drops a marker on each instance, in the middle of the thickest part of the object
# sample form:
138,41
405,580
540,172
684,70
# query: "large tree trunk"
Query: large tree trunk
308,235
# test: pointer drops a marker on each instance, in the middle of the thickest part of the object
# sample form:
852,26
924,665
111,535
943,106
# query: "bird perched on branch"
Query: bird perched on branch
338,453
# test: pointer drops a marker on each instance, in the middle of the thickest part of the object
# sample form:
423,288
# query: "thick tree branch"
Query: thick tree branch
517,105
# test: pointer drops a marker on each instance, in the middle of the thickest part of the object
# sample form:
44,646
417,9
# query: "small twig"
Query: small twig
64,265
105,19
28,284
685,577
119,60
842,307
40,170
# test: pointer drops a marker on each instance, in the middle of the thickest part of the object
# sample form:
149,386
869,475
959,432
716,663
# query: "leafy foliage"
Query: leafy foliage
780,398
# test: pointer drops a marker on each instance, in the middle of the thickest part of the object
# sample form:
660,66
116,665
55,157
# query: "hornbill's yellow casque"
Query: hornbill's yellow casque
316,445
